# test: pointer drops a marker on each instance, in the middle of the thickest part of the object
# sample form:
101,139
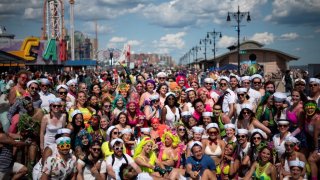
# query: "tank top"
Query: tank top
262,175
292,116
172,117
6,156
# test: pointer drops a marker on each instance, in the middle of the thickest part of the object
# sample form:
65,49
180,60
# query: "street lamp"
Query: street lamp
214,34
238,16
205,41
195,50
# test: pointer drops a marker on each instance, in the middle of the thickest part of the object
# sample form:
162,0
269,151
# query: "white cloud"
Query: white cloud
226,41
32,13
172,41
181,13
297,49
295,12
134,42
289,36
118,39
264,38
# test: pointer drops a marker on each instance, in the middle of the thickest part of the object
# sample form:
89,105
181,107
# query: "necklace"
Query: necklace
261,169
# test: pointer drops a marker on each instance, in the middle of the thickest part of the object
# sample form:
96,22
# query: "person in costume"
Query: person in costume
266,112
229,164
133,113
296,168
150,86
263,169
118,105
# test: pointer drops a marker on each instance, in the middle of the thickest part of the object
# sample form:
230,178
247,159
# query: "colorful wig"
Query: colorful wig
173,135
181,77
152,155
78,141
123,87
114,102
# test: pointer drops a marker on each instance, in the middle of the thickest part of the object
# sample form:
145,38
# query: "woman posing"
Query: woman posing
118,105
170,113
229,164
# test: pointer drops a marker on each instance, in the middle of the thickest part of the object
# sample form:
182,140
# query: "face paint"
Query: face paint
310,108
63,143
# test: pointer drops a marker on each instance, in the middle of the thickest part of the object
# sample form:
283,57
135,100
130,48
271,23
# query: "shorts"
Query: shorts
8,174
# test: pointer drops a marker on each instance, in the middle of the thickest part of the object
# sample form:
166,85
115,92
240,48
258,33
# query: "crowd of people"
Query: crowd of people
157,125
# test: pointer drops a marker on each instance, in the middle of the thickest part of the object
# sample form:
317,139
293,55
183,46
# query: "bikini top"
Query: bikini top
262,175
217,153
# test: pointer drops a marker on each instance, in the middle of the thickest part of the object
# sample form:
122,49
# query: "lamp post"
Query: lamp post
205,41
238,16
214,34
111,56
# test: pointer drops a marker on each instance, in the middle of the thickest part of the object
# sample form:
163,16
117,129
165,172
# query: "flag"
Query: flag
125,55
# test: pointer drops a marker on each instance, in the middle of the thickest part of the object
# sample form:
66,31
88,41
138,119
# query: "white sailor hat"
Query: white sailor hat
62,86
194,143
242,131
109,130
126,131
212,125
247,106
64,131
256,76
154,97
296,163
263,134
44,81
314,80
145,130
292,139
283,122
234,75
279,96
226,126
241,90
197,129
170,93
75,112
208,80
300,79
115,140
54,100
207,114
244,78
71,81
189,89
161,74
186,113
224,78
32,81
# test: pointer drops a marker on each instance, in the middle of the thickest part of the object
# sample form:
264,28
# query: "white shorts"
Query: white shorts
7,175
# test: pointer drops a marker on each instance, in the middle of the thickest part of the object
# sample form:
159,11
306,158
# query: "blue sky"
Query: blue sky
174,27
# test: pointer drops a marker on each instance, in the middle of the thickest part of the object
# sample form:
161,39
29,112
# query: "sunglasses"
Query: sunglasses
72,85
107,106
256,138
223,84
34,88
209,83
115,132
43,85
313,85
282,125
213,132
64,146
96,149
299,84
245,82
289,145
240,95
118,148
246,112
256,82
56,106
63,92
241,136
161,78
181,129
